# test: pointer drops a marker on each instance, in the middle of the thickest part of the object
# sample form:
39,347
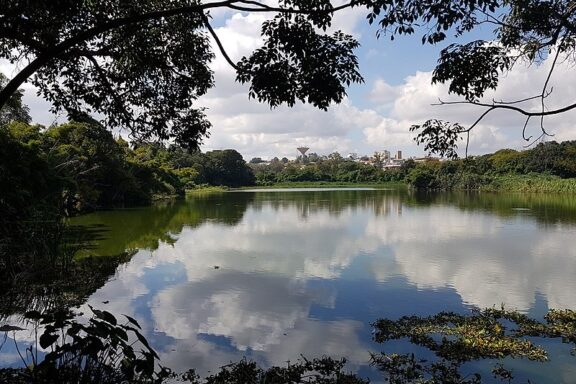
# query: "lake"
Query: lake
274,274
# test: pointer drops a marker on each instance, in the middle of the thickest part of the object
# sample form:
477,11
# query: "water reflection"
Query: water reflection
63,284
488,260
264,316
272,275
148,227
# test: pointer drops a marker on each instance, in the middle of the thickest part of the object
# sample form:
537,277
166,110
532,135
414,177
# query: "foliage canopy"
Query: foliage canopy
143,64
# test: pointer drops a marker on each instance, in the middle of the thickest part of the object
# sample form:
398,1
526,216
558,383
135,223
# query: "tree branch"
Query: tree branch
218,42
524,129
552,67
50,53
108,85
495,106
21,38
268,8
518,101
57,50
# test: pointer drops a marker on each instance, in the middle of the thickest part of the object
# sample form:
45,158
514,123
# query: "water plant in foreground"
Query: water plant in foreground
454,339
105,350
101,350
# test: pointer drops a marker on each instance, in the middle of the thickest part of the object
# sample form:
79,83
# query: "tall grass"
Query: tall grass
536,183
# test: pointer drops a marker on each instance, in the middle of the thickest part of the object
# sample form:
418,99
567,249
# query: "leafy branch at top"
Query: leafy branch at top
143,64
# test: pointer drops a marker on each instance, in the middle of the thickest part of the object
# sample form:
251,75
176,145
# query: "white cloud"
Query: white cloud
378,120
254,130
473,253
383,93
413,104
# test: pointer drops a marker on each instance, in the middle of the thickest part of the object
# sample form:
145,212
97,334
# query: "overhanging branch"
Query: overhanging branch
113,94
52,52
497,105
218,42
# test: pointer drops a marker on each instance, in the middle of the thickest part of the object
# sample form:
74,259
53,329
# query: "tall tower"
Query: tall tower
303,150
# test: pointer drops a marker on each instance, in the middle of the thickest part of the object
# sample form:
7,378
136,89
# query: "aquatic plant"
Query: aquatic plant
454,339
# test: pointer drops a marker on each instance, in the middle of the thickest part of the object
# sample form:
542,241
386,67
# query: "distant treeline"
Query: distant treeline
334,168
541,168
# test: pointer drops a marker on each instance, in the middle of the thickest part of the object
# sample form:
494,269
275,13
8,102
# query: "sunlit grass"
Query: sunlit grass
531,183
206,189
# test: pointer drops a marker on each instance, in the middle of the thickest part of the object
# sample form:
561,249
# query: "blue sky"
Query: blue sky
376,115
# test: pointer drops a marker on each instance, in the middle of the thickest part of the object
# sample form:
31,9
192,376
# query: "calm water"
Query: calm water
274,274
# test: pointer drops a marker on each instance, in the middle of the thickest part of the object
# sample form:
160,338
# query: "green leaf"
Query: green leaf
143,340
33,315
47,339
133,321
121,333
8,328
104,315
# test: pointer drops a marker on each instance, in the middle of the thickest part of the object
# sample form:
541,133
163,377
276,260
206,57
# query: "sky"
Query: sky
376,115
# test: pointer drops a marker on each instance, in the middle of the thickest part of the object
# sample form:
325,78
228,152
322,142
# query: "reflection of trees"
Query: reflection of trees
60,291
544,208
63,286
114,234
380,202
147,227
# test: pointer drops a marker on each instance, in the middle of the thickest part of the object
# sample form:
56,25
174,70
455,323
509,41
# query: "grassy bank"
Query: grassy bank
534,183
202,190
330,184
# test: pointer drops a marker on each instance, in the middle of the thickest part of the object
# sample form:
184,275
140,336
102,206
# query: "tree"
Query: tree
335,157
143,63
227,167
525,31
256,160
421,178
92,166
378,159
14,109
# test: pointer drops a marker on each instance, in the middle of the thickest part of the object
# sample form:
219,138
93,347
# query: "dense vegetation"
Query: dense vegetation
48,174
81,167
548,167
454,340
333,169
